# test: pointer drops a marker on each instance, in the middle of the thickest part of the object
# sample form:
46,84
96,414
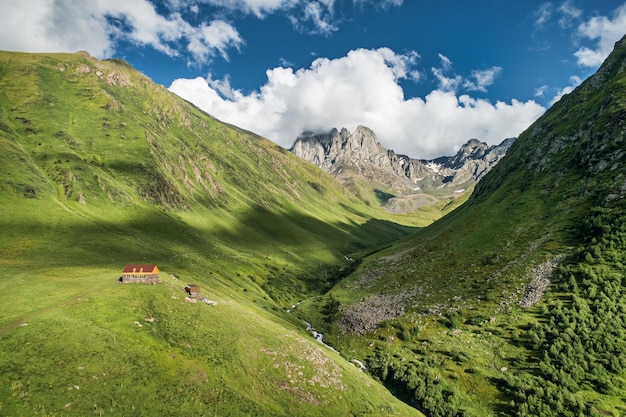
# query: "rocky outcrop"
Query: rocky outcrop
540,281
366,315
348,156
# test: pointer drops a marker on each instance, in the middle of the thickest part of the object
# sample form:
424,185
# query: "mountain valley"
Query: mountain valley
508,301
501,306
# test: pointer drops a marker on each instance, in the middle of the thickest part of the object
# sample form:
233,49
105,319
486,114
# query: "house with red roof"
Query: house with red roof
140,274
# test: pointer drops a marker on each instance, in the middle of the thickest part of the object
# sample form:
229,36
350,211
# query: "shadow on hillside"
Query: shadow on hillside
260,228
382,196
303,254
286,249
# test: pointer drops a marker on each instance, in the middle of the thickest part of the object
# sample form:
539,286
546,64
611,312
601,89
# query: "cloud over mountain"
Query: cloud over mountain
363,87
421,111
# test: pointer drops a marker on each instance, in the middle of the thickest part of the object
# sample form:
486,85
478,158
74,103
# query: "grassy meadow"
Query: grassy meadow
99,347
101,168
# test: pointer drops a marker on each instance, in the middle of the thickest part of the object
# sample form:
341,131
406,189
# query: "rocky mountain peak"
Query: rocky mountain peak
472,149
361,145
347,156
362,137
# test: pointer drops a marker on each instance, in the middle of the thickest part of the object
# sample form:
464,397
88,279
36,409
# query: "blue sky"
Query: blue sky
426,75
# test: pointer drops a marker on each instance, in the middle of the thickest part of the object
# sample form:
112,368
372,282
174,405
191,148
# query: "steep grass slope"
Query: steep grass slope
446,318
99,168
77,130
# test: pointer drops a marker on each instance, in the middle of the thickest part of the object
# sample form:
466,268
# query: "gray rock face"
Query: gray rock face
347,156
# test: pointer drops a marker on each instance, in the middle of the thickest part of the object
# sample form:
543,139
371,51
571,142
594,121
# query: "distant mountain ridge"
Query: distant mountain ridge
347,155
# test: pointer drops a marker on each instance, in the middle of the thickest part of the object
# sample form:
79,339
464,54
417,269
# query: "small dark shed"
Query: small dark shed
193,290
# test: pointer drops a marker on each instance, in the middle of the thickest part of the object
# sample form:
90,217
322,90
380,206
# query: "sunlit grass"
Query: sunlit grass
97,174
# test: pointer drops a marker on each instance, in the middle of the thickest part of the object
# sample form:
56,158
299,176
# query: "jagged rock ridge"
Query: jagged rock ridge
349,156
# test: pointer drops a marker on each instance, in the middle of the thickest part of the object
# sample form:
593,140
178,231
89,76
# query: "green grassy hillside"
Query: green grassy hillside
99,168
450,319
102,141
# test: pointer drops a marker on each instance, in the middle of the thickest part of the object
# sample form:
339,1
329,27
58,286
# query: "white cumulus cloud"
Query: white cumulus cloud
569,13
97,25
575,81
306,16
605,31
361,88
260,8
540,91
481,79
543,14
315,18
478,81
51,26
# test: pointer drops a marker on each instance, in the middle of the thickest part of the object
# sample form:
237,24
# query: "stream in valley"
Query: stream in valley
320,338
